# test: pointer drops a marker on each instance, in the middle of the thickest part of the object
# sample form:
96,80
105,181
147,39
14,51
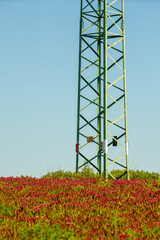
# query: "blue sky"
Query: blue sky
38,85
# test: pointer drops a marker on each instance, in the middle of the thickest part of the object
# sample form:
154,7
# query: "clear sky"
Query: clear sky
38,85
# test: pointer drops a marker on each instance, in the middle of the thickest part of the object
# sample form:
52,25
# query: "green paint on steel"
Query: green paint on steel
102,98
99,162
79,86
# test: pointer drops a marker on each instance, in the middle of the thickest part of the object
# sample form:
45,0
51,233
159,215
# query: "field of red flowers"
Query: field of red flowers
84,208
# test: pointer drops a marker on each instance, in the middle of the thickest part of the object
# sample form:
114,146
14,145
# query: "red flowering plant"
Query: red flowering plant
84,208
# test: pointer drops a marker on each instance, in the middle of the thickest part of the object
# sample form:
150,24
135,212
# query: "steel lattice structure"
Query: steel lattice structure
102,103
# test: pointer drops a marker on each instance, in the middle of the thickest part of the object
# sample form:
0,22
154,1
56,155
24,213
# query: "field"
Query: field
84,208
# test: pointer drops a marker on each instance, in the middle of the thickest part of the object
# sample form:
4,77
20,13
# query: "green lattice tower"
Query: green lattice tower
102,138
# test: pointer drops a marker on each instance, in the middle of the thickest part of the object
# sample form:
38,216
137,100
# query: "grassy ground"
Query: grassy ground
88,172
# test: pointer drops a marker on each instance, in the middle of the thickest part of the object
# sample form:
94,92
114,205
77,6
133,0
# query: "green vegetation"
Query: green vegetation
88,172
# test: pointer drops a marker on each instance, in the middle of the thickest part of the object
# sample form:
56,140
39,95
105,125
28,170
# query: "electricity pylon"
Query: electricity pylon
102,136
